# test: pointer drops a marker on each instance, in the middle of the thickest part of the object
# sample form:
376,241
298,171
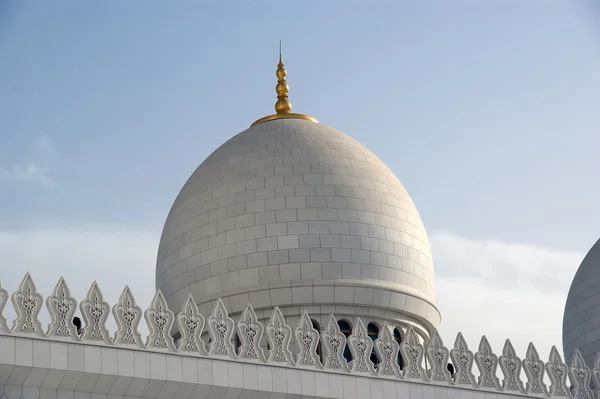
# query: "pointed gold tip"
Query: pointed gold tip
283,106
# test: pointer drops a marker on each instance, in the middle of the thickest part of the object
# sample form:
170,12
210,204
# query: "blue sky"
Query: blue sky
488,112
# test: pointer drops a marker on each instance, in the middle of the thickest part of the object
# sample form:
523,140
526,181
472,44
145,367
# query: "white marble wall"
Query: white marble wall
61,360
331,387
36,369
581,324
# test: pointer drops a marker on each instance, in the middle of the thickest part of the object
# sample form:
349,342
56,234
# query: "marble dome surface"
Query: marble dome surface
295,213
581,322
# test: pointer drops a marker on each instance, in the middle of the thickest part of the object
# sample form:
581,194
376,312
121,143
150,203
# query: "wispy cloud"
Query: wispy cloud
112,256
498,289
31,171
45,146
502,290
502,265
28,173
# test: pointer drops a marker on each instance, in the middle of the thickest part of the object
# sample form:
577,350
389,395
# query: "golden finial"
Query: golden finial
283,106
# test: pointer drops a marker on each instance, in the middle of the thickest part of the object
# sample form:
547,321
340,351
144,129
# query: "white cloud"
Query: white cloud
45,146
503,291
498,289
111,256
527,267
29,172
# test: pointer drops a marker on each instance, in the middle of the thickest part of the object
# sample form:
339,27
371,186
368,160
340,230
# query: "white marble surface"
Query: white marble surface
41,369
96,360
292,201
581,324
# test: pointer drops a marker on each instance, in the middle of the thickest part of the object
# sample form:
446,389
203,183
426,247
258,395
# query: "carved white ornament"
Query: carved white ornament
487,362
94,309
596,372
412,353
3,300
250,331
191,325
361,346
387,349
308,340
62,309
511,367
28,303
462,358
95,312
160,321
335,343
534,370
580,376
557,373
127,315
221,329
279,335
438,356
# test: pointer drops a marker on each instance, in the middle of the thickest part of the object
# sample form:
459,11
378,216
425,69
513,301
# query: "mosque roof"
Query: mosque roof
292,212
581,322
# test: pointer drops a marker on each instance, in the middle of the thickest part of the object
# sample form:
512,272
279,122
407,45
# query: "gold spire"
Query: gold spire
283,106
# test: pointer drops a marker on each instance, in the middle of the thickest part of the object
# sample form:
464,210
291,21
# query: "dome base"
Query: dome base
379,301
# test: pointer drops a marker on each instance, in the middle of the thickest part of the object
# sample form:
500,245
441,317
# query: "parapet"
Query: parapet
219,356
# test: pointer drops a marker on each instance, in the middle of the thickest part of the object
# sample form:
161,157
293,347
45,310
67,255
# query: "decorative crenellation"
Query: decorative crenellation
462,359
425,363
279,335
308,339
487,362
3,300
250,332
160,321
557,373
534,370
62,309
335,342
127,315
28,303
412,351
94,311
511,368
387,349
361,346
438,356
221,328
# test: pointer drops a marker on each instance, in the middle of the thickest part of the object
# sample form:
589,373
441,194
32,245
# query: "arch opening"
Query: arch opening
398,339
373,333
346,329
317,327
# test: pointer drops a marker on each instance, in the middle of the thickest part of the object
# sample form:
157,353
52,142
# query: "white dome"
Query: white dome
581,322
293,213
